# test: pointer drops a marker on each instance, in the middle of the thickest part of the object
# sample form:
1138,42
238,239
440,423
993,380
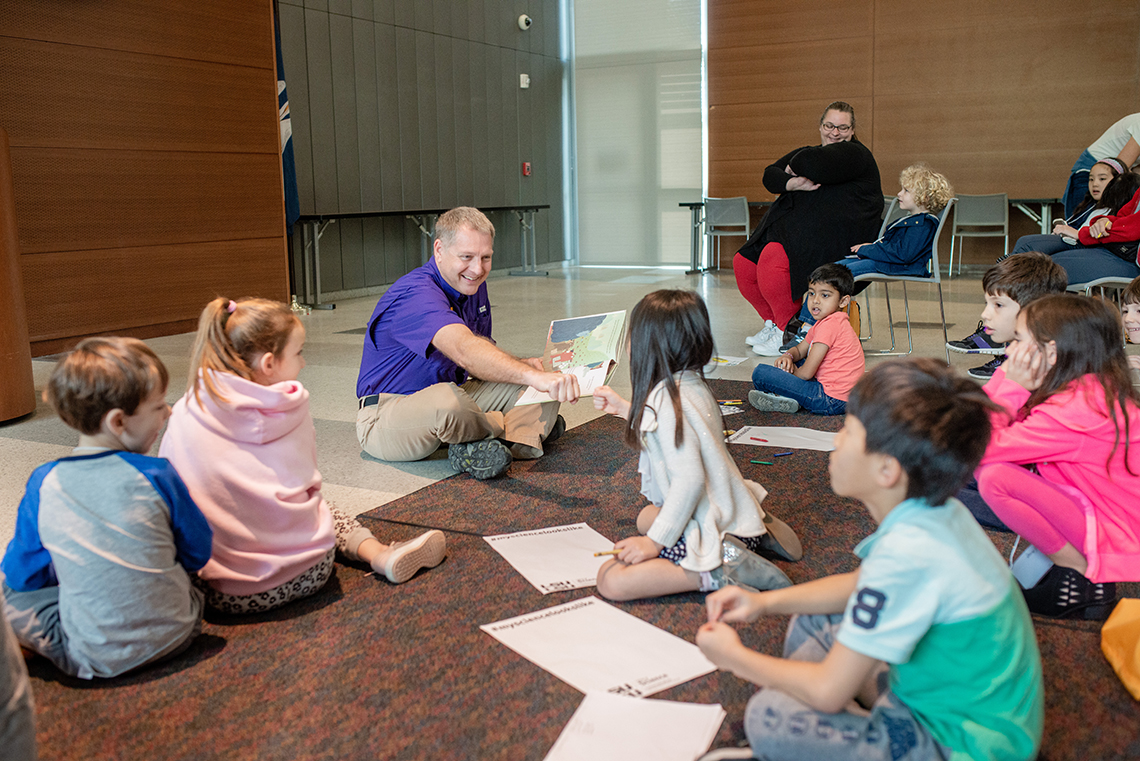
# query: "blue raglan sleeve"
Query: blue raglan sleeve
27,564
193,537
902,243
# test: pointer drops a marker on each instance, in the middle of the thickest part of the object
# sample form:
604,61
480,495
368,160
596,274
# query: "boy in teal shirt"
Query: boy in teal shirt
927,651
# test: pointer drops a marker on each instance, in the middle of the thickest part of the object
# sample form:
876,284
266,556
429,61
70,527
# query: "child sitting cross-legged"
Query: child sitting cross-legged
932,599
819,372
96,578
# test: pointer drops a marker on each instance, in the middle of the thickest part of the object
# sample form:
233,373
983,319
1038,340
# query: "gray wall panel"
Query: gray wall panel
476,22
363,9
464,157
374,251
480,157
340,7
384,11
424,16
512,162
550,30
445,97
351,253
411,191
331,278
531,106
367,120
441,16
429,129
293,56
406,13
323,140
344,113
318,5
388,117
496,194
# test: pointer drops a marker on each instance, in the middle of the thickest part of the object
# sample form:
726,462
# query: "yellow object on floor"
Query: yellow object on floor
1120,643
853,315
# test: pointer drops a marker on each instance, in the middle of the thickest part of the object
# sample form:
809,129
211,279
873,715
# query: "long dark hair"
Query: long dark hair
1088,201
668,332
1087,332
1119,191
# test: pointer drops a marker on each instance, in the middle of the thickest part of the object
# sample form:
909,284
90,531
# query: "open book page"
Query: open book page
587,347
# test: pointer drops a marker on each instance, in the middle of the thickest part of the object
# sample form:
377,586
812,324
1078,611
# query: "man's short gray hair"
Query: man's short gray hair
451,222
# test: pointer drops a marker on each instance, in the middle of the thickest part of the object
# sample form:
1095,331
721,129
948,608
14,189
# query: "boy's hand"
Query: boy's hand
1025,365
718,642
610,402
785,362
855,248
733,604
638,549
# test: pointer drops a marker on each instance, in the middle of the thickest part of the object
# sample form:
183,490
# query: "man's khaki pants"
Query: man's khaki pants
403,428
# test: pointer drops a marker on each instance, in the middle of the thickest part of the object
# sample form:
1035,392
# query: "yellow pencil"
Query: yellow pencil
607,552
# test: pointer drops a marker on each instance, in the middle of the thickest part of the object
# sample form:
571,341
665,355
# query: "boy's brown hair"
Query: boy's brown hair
102,374
1131,294
929,189
1025,277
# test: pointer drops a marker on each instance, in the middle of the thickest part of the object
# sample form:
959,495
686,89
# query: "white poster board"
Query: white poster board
554,559
592,645
784,437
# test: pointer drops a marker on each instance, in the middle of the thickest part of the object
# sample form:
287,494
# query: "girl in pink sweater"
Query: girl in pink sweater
243,441
1063,464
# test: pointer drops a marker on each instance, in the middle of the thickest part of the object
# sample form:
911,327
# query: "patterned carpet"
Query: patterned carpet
367,670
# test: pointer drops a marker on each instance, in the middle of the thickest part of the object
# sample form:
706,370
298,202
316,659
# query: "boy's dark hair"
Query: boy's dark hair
1025,277
1131,294
1119,191
934,422
668,332
102,374
835,275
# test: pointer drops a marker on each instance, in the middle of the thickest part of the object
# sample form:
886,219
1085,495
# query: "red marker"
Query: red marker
756,439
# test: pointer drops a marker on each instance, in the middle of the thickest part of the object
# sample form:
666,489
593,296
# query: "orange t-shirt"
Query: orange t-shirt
843,365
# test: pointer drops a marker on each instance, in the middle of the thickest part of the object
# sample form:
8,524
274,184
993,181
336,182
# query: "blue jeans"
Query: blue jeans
1047,244
809,393
780,727
1085,264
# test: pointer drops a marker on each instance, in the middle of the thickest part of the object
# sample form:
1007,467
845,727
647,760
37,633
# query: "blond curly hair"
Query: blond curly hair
931,190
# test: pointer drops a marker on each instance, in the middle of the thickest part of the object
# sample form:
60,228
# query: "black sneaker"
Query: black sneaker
556,432
1064,593
976,343
482,459
986,371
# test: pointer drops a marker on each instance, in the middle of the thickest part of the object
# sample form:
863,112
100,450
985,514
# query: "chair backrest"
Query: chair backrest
891,213
990,210
727,216
935,272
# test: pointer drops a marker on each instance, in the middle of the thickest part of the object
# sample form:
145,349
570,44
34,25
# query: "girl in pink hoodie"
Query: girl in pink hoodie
243,441
1062,469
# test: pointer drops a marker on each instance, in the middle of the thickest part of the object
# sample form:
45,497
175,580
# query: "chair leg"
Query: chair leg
870,325
942,311
950,266
890,317
906,311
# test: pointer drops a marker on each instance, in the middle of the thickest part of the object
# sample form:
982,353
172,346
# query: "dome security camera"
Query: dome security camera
525,21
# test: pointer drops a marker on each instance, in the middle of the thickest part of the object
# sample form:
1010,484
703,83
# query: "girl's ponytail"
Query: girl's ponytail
232,335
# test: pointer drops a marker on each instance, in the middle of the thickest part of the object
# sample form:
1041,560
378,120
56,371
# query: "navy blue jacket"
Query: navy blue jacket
905,247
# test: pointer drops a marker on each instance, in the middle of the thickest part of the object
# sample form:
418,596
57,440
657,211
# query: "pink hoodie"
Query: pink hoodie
1069,437
251,465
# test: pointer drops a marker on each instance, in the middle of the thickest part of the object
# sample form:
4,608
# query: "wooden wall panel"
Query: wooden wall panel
71,200
146,161
742,23
195,30
175,285
767,73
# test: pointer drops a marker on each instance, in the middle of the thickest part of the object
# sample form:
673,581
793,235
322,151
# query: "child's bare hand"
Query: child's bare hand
610,402
855,248
1100,228
718,641
1025,365
1134,361
733,604
637,549
1062,229
784,362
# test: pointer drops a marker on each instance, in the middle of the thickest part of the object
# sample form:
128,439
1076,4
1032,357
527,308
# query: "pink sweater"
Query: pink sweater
251,465
1069,437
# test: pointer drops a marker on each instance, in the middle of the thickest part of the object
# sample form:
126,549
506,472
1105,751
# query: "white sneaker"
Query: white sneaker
770,346
760,337
404,559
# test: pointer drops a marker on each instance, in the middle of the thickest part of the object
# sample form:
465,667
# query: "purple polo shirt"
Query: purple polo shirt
398,356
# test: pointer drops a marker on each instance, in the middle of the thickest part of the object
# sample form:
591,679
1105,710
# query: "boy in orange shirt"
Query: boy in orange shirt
818,373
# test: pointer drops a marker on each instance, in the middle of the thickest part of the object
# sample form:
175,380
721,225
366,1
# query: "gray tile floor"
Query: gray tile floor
523,308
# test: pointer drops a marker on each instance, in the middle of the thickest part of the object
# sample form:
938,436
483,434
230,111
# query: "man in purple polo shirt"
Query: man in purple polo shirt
431,375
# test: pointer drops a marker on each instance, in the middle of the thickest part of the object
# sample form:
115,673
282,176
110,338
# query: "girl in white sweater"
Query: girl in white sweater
243,441
704,515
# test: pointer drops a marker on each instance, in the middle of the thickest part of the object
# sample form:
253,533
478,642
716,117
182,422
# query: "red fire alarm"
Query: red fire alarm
526,169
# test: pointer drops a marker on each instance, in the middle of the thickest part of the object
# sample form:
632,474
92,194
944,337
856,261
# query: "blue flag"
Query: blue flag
288,168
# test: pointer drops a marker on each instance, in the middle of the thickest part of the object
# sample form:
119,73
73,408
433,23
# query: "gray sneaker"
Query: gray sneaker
766,402
745,568
482,459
